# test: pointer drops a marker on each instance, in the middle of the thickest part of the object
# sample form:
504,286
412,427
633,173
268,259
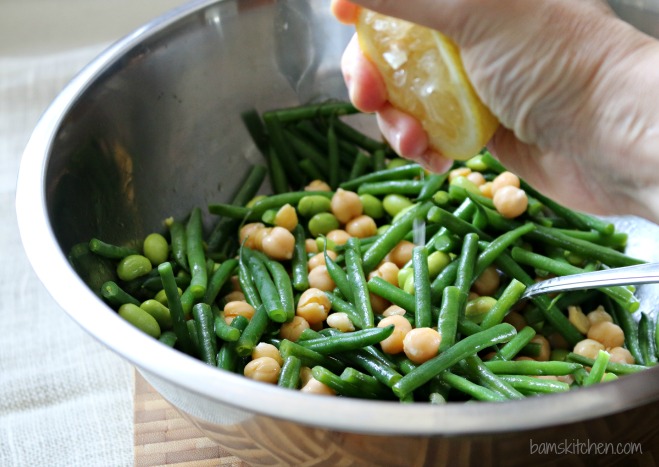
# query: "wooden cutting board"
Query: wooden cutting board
163,437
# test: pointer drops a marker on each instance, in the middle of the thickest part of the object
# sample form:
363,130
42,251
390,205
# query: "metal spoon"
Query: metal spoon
630,275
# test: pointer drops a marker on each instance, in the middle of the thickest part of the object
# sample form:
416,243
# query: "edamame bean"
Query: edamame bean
140,319
133,266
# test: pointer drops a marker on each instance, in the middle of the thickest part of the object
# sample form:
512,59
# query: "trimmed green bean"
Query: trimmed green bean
267,290
117,296
399,173
347,341
470,345
227,357
484,376
449,312
531,367
530,384
339,276
110,251
333,381
509,297
474,390
183,340
290,373
168,338
516,344
597,370
204,323
611,367
367,384
251,336
305,112
299,264
178,243
355,273
646,339
196,254
309,357
401,187
217,280
422,297
224,331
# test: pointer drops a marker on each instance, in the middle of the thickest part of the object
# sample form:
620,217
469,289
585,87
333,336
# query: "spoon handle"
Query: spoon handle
647,273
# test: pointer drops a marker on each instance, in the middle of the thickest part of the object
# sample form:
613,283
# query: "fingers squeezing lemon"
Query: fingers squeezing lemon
424,77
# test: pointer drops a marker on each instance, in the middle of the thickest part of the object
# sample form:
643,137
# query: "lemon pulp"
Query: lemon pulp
424,77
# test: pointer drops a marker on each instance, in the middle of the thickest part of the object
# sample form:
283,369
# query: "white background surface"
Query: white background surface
64,399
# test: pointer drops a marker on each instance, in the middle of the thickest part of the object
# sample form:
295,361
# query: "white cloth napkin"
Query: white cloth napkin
65,400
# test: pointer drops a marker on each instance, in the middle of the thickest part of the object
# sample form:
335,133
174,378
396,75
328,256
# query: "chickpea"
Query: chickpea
313,306
486,189
319,259
346,205
338,236
505,179
609,334
305,375
340,321
599,314
378,304
459,172
264,369
291,330
313,386
279,244
387,271
235,308
510,201
401,253
286,217
488,282
248,232
319,278
421,344
588,348
234,296
394,343
578,319
264,349
361,227
317,185
310,245
545,348
394,310
621,355
259,236
516,320
476,178
557,341
235,284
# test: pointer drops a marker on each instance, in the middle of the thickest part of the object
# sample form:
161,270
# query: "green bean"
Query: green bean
579,220
347,341
116,296
110,251
339,276
431,185
466,263
484,376
255,212
531,384
388,240
304,112
168,338
306,150
356,137
196,254
178,243
355,273
401,187
309,357
227,357
423,313
553,315
620,294
183,339
531,367
597,370
340,386
247,282
267,290
617,240
334,155
204,323
626,321
140,319
516,344
612,367
449,312
299,264
218,279
250,337
290,373
470,345
399,173
367,384
474,390
283,284
646,339
280,149
256,129
159,311
360,165
192,330
385,374
498,246
224,331
509,297
340,305
277,173
454,223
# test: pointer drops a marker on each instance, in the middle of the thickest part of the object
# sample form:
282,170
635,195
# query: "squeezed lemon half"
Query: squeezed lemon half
424,77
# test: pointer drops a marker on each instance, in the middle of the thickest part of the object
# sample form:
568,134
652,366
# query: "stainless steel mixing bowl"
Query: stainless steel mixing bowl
150,129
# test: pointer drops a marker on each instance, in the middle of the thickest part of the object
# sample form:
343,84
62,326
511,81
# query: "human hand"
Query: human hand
567,81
